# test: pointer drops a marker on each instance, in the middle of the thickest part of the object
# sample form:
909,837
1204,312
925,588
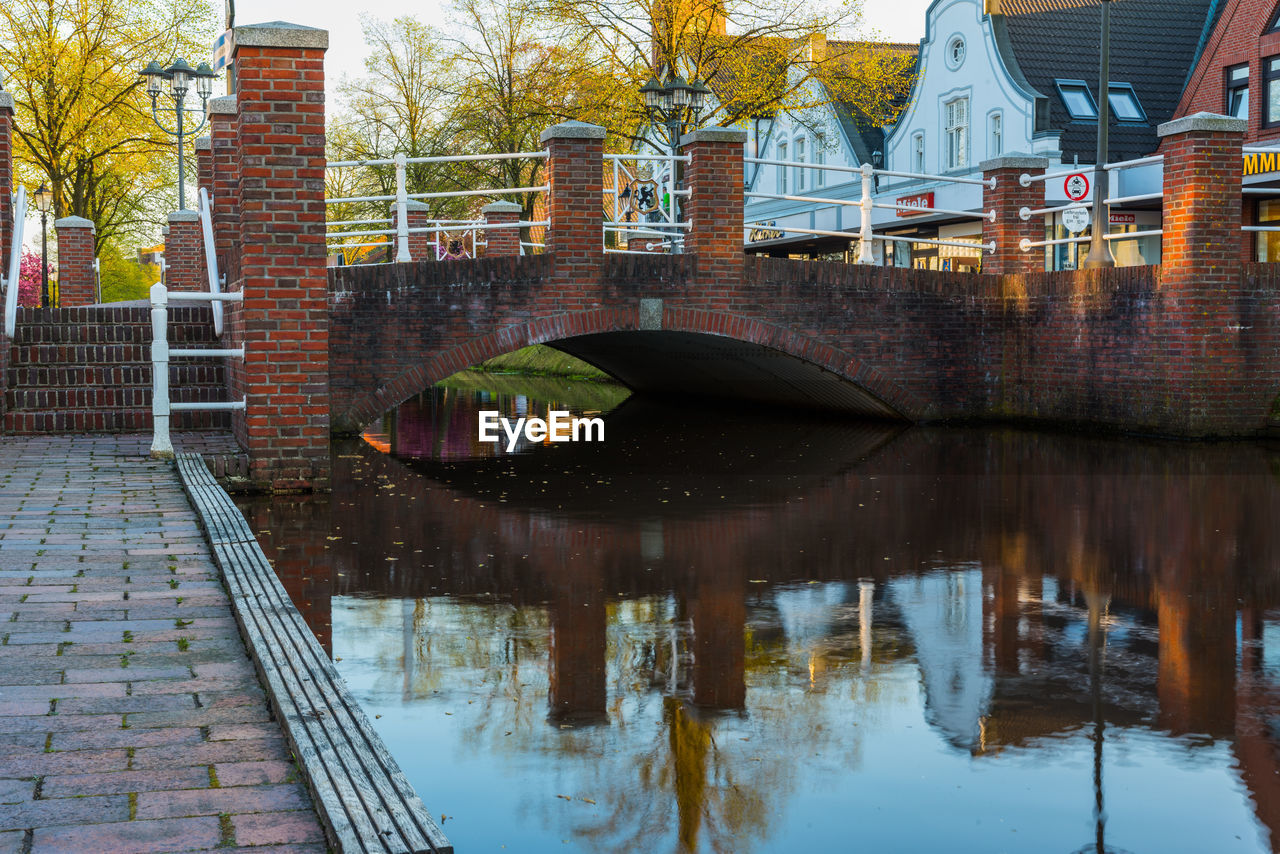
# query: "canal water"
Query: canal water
746,631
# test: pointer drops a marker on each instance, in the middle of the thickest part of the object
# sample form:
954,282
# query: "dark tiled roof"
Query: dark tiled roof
1152,46
865,133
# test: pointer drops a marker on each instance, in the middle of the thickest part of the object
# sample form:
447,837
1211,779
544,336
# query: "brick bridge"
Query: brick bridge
1188,349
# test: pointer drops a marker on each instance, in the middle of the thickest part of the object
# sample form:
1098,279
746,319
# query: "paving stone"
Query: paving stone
239,799
17,791
254,773
123,782
131,837
63,811
276,828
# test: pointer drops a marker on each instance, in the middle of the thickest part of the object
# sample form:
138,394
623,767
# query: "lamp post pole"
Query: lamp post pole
667,103
44,201
1099,252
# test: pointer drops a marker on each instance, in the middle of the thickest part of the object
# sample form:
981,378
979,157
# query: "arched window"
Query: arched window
995,142
782,170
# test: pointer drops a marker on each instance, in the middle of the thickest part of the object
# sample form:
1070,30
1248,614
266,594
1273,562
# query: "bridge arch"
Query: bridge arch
691,351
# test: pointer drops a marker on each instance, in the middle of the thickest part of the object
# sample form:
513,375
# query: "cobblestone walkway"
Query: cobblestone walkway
130,716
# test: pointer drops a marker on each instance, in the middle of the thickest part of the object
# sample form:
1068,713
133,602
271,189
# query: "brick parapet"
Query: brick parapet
77,279
501,241
283,321
184,254
204,164
714,205
575,174
1007,198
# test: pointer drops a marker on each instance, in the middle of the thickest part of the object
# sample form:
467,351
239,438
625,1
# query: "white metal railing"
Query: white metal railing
398,234
211,258
161,406
867,205
644,185
13,281
1027,245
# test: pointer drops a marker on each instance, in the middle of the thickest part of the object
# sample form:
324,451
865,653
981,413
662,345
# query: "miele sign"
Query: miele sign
914,205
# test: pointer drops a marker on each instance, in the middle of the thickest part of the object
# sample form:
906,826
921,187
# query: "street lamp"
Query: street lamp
671,104
1099,252
43,197
179,77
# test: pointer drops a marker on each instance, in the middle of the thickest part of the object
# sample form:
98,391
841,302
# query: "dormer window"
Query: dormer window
1078,100
1124,103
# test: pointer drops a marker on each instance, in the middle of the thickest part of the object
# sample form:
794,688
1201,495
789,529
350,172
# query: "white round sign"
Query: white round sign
1076,187
1076,218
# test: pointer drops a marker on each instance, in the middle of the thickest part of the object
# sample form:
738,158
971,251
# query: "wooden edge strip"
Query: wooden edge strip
366,802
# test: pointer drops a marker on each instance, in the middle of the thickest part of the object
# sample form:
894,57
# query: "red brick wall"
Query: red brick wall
1006,199
501,241
421,243
225,182
184,254
204,167
575,173
714,205
284,319
1238,38
77,280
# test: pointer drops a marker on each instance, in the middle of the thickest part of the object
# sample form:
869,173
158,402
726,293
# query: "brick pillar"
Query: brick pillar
1207,368
284,321
224,190
6,178
714,206
204,165
1009,230
77,280
422,245
501,241
184,254
575,173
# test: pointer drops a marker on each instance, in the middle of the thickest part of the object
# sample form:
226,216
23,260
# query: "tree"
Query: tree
758,58
30,279
82,118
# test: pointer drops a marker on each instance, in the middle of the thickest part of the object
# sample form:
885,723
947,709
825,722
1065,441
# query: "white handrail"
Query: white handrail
452,158
990,246
15,264
211,258
161,406
1028,213
1137,161
1025,180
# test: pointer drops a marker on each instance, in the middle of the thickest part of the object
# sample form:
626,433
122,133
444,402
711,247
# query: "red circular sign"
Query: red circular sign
1076,187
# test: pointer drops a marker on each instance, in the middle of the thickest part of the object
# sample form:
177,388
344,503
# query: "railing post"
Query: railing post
1007,198
417,215
714,178
501,241
183,253
402,211
866,251
161,445
575,173
77,279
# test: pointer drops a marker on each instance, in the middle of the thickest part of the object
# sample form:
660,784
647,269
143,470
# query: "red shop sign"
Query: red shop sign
1124,219
915,205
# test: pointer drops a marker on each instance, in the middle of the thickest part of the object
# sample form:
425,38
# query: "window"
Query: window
820,157
782,170
996,145
1124,103
1238,91
800,176
955,52
1078,99
958,133
917,153
1275,20
1271,76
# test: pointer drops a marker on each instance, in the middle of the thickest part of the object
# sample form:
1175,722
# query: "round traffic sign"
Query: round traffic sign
1075,218
1076,187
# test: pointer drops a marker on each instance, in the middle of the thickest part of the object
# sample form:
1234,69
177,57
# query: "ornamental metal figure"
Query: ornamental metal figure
640,196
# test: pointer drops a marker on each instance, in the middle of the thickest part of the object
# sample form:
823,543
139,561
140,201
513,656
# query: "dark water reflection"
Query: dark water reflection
734,633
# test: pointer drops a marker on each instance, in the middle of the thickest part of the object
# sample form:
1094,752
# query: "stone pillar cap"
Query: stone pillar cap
223,105
1015,160
74,222
412,205
6,101
184,216
573,130
204,143
1205,122
713,135
280,34
501,207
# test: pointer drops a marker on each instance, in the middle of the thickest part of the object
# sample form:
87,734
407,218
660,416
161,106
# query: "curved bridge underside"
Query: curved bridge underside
708,366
